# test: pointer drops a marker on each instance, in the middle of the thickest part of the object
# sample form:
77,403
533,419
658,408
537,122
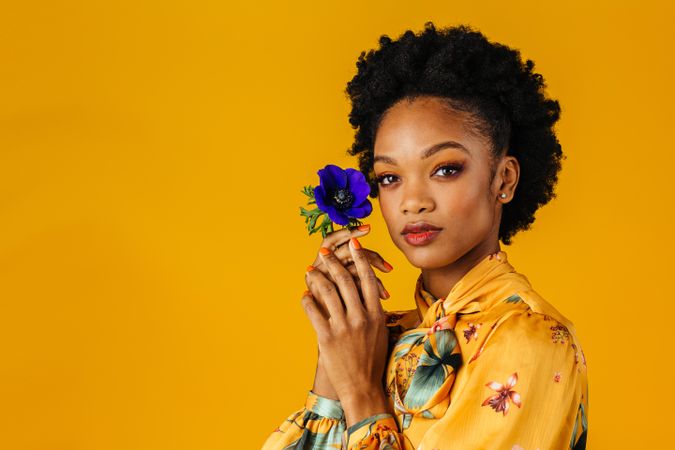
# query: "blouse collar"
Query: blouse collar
490,281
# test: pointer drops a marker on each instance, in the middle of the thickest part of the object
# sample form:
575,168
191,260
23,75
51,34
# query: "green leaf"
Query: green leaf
309,192
312,221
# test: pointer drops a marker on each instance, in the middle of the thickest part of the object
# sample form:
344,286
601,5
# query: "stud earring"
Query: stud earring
502,195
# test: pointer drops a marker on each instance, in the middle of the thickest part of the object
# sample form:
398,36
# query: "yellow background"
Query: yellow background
152,254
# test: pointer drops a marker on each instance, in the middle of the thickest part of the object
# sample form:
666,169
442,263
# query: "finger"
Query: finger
321,287
345,256
368,279
344,281
320,304
378,261
309,306
374,258
383,292
341,236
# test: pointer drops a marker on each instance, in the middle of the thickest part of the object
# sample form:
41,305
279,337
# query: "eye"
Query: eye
382,178
450,167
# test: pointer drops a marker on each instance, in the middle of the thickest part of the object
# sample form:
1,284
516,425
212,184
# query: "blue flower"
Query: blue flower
342,194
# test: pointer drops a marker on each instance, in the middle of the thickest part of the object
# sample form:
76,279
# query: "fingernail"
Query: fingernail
305,293
324,251
386,294
387,265
364,227
310,268
355,243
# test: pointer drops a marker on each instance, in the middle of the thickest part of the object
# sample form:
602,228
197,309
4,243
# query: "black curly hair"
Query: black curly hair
503,95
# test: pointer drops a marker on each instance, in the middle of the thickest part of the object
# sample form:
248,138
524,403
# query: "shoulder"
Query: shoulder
550,324
527,326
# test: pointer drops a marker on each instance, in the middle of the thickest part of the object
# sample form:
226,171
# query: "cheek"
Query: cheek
468,209
388,207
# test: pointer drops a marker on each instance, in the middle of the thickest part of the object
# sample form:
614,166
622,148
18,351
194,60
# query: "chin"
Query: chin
428,257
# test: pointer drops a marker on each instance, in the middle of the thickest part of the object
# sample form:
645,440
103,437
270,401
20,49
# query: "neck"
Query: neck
440,281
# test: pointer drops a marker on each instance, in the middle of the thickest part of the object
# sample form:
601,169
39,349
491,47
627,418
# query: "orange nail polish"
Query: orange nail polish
305,293
364,227
324,251
355,243
386,294
310,268
387,265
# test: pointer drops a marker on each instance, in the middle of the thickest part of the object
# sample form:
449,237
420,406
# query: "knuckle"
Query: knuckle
370,276
327,288
377,316
342,331
360,322
344,277
310,277
359,257
306,304
322,337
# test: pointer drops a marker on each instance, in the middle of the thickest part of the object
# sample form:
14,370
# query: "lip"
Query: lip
419,227
422,238
420,233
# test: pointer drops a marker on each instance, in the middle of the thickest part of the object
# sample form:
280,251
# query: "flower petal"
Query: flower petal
495,386
338,216
513,379
515,398
332,178
505,408
357,185
360,211
320,198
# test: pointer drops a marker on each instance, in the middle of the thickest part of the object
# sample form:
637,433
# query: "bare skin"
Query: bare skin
450,189
338,240
353,339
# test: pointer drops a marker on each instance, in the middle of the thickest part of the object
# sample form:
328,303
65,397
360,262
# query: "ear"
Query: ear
508,174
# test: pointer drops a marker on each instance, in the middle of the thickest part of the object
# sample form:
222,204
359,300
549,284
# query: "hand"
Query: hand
353,339
335,241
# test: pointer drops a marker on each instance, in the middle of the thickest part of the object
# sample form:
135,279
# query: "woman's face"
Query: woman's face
421,179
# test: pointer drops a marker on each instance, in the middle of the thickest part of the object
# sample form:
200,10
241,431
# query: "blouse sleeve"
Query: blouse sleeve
527,389
319,424
374,433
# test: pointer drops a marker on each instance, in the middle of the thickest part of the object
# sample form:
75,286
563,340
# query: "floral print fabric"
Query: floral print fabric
491,365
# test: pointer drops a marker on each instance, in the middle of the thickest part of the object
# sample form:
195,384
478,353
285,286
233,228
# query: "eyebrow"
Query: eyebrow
428,152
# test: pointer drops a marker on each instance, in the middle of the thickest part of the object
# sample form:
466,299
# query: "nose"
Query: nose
416,199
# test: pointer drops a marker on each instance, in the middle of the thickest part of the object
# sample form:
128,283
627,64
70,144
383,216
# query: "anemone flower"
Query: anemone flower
341,196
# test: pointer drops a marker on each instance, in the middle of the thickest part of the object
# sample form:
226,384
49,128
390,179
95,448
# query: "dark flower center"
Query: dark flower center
343,198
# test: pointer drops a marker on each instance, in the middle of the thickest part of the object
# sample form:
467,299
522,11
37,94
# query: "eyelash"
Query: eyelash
457,168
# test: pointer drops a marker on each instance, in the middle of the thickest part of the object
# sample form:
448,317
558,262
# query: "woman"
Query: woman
456,137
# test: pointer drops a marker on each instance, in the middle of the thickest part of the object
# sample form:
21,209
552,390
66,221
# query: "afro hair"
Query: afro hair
503,95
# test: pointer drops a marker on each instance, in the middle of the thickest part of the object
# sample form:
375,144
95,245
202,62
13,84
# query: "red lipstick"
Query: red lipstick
420,233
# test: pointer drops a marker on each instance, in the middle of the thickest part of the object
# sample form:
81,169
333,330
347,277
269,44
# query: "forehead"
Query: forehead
410,127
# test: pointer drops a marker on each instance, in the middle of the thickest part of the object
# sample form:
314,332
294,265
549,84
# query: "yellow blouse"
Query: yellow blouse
490,366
